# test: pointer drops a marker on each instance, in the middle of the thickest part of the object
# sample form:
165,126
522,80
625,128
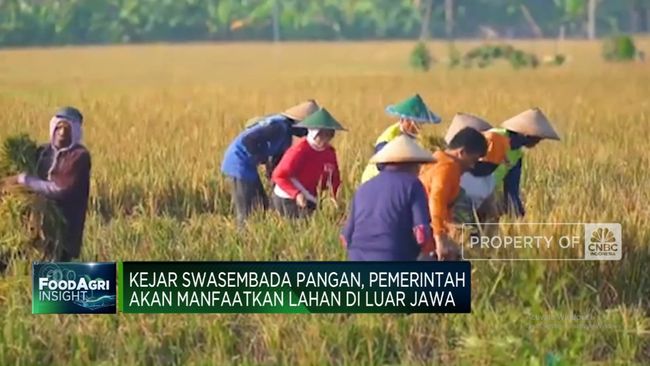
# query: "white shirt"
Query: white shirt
477,188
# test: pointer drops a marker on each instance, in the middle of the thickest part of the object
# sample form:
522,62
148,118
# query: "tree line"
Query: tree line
56,22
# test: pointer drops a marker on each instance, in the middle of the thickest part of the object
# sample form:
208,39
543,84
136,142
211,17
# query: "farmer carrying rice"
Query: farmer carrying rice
306,167
477,185
526,129
263,142
441,181
389,216
63,171
412,113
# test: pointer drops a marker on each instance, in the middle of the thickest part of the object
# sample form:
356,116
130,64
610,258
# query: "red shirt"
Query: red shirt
312,168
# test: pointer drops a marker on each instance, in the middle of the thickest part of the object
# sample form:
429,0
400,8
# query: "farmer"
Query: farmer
412,113
441,181
306,167
389,215
63,171
526,129
263,142
477,185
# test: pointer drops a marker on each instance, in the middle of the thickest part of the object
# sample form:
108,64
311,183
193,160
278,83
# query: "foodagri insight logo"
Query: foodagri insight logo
73,288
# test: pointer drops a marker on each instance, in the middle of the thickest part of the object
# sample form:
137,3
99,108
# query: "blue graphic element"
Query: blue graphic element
97,303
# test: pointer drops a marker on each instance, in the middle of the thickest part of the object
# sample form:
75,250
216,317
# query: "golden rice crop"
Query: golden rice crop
159,117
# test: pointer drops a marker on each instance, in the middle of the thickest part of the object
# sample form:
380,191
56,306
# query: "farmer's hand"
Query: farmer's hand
10,184
446,249
301,201
425,257
9,181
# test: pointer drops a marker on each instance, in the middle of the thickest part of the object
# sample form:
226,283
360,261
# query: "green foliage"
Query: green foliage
559,59
38,22
572,9
520,59
485,56
19,154
420,58
619,48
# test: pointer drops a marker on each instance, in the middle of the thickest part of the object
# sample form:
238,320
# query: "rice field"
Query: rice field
159,117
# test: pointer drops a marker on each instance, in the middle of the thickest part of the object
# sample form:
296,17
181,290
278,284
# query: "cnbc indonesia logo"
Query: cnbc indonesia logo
603,242
545,241
72,288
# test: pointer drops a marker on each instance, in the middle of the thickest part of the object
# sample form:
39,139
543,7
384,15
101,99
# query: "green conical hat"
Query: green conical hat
321,120
414,109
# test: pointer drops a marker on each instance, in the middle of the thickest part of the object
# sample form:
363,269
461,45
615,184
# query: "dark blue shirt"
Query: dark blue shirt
512,180
384,212
511,191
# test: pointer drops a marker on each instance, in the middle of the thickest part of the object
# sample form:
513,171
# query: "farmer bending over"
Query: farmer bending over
477,185
441,181
526,129
264,141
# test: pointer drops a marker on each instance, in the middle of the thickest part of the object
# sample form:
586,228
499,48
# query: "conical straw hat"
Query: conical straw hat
414,109
462,120
321,120
402,149
532,123
301,111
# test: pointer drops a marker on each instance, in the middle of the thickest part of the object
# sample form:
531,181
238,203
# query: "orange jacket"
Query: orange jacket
498,146
441,181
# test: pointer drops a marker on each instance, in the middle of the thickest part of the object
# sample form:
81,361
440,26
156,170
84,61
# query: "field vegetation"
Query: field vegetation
159,117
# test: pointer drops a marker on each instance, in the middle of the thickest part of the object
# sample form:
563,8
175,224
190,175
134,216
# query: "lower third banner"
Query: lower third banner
294,287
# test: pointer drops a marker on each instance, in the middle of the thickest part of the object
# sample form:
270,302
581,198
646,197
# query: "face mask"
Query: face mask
483,169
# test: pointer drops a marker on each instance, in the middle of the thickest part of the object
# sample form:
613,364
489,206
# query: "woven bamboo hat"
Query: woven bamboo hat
321,120
402,149
414,109
301,111
532,122
462,120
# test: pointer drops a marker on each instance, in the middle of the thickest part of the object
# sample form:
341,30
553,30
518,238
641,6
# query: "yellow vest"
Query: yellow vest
513,155
388,135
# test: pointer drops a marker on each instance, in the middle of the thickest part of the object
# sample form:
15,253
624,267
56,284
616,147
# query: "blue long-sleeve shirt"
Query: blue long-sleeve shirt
264,142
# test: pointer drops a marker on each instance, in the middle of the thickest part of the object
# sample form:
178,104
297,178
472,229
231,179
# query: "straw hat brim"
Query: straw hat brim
321,120
413,160
402,149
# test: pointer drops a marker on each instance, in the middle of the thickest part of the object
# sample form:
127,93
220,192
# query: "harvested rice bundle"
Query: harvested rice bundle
29,223
19,154
433,143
